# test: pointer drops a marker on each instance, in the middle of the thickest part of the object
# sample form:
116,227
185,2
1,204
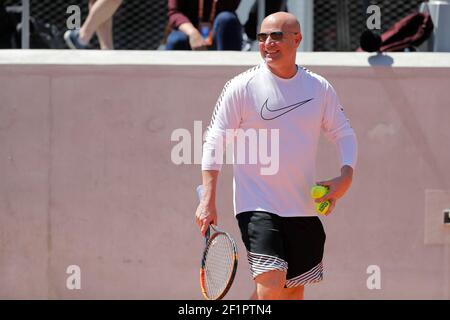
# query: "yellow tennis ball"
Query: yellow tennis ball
318,191
322,207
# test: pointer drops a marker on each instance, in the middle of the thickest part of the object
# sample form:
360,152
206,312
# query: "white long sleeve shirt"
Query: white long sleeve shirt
291,112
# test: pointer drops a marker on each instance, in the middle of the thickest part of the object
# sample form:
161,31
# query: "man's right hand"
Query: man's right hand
205,216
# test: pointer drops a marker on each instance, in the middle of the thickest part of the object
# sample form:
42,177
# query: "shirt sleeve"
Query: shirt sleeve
225,120
335,124
336,128
176,17
348,150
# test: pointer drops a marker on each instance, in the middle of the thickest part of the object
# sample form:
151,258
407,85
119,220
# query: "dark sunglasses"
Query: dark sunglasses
276,35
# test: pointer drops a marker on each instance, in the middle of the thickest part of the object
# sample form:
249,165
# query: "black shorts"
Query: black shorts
291,244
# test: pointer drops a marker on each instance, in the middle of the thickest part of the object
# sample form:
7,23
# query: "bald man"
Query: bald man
283,236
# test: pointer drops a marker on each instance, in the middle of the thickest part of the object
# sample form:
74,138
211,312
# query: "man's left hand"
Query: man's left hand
337,187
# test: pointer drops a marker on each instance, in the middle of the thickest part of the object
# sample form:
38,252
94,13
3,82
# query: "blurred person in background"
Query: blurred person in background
204,24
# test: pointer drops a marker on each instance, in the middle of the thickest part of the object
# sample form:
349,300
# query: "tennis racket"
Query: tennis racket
219,261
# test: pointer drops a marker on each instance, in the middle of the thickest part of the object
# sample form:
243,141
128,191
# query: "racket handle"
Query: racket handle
207,234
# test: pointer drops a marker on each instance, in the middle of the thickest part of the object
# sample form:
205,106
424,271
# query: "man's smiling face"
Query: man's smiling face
279,52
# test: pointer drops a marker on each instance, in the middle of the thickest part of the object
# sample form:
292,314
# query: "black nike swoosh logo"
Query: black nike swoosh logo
269,114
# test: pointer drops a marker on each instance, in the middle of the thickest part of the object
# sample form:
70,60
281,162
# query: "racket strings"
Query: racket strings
219,263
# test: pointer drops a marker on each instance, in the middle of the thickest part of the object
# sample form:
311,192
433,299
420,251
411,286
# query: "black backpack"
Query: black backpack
42,35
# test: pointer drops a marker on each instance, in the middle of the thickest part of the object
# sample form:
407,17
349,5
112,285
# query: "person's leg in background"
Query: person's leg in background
227,32
104,31
177,40
105,35
99,20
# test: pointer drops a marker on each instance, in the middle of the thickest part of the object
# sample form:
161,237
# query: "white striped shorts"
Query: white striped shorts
291,244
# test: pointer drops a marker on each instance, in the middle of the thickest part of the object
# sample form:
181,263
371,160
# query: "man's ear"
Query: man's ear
298,39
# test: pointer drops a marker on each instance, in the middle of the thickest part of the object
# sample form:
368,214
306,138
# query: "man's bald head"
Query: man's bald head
279,39
284,20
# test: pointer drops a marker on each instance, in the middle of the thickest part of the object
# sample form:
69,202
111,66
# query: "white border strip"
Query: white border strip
218,58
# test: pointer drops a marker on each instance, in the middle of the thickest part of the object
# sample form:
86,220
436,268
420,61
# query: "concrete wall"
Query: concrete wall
86,176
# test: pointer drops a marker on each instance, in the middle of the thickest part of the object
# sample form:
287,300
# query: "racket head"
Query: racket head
218,265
